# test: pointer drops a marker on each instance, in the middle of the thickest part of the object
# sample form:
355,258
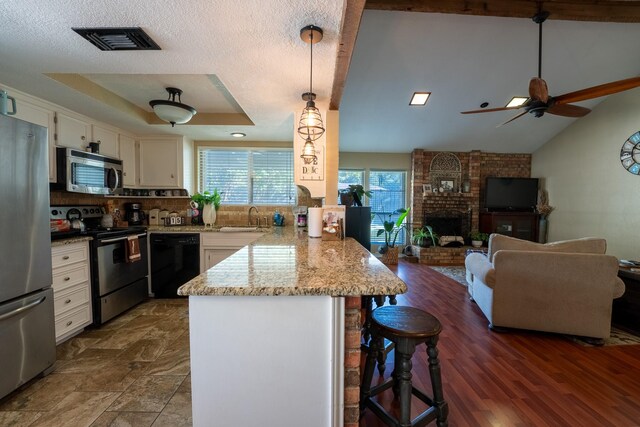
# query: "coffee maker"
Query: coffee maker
134,214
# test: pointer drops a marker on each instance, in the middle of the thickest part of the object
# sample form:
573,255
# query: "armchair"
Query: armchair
564,287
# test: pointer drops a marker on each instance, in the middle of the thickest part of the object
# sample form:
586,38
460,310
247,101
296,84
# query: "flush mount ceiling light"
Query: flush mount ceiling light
310,126
517,101
172,111
238,134
419,98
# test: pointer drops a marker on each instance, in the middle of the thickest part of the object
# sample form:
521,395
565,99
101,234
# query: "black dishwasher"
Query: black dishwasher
175,259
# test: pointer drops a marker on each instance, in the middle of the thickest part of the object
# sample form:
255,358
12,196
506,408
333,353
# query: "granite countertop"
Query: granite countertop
286,262
69,241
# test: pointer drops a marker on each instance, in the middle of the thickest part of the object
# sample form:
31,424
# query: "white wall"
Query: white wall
591,191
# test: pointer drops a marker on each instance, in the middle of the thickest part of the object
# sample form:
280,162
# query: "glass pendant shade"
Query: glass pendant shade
308,152
310,125
172,111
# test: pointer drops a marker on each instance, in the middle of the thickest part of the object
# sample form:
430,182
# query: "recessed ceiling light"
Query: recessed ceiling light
419,98
517,101
238,134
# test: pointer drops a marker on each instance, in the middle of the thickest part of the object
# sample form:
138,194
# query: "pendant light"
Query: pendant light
310,126
172,111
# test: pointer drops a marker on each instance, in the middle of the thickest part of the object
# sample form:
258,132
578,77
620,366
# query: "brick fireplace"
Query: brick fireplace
467,197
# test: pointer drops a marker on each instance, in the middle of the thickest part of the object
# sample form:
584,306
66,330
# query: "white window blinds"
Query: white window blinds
248,176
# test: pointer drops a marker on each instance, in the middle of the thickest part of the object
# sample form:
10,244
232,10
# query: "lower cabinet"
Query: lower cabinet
217,246
522,225
71,289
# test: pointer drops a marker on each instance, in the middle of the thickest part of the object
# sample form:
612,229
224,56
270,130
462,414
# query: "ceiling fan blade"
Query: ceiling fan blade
491,110
568,110
598,91
538,89
512,119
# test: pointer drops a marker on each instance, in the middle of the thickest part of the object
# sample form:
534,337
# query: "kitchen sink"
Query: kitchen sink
237,229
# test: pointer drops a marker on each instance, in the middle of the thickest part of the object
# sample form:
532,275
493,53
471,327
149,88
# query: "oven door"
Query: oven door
112,270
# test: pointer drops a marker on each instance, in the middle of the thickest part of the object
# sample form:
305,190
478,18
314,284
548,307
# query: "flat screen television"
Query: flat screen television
511,194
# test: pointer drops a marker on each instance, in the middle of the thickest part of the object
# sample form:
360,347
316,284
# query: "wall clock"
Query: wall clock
630,154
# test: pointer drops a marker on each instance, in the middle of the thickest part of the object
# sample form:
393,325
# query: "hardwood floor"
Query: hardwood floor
134,371
517,378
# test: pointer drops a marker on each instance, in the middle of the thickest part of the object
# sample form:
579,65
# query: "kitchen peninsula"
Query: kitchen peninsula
267,329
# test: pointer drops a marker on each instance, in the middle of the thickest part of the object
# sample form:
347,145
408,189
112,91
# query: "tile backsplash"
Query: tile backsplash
227,214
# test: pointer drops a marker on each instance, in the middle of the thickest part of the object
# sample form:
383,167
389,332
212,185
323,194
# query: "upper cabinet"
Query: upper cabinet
165,162
127,149
72,131
108,140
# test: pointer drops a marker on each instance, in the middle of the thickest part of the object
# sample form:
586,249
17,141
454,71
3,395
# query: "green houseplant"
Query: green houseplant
478,238
391,229
354,195
425,236
204,202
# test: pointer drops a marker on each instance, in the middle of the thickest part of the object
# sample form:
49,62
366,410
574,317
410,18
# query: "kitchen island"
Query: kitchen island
267,330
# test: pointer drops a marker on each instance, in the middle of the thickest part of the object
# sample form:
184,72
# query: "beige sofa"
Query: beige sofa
565,287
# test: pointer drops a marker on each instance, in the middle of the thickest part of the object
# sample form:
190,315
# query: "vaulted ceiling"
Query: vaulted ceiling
244,67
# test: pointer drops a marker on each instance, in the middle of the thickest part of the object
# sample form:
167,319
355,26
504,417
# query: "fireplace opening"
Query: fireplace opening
449,222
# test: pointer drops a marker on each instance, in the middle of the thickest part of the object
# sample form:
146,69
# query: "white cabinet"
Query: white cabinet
216,246
71,289
42,116
214,256
108,140
72,132
129,161
165,162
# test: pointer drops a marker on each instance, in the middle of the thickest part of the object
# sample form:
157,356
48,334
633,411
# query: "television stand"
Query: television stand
522,225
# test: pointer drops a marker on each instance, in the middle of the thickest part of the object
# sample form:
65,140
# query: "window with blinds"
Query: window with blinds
388,194
243,177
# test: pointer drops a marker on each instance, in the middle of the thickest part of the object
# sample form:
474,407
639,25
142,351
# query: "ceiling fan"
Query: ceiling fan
541,102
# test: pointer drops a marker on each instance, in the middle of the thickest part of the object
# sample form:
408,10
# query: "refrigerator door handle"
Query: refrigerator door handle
22,309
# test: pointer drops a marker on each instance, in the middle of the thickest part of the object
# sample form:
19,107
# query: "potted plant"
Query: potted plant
425,236
391,230
204,202
478,238
354,195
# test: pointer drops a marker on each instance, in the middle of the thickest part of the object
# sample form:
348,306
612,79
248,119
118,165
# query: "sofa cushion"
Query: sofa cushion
588,245
480,267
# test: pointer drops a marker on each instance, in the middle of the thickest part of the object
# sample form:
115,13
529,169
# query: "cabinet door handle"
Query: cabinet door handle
124,174
70,322
66,257
171,175
83,137
66,279
67,301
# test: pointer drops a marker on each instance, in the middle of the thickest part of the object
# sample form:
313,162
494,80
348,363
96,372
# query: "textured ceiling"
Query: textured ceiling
464,61
252,46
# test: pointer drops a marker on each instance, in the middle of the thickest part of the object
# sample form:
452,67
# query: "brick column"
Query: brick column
417,179
352,361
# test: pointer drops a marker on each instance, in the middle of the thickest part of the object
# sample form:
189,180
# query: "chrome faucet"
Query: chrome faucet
249,214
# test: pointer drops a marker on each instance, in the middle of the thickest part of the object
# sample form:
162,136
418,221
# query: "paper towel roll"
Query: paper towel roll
315,222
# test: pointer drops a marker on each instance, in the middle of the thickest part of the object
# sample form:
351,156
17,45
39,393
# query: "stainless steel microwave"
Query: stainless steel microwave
84,172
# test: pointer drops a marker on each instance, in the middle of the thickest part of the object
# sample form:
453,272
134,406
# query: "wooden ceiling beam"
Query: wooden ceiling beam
569,10
352,14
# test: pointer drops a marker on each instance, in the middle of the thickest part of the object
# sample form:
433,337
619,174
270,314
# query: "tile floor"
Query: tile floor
133,371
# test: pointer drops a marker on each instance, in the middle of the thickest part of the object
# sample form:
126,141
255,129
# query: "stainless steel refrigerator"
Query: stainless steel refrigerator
27,329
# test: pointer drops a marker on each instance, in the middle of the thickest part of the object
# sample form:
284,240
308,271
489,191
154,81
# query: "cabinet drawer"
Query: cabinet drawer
71,298
65,255
66,277
74,320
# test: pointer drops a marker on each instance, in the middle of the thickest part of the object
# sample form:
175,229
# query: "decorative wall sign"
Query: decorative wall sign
313,171
630,154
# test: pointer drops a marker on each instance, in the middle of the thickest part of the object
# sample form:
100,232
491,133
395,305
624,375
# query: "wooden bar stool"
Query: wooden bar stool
406,327
367,304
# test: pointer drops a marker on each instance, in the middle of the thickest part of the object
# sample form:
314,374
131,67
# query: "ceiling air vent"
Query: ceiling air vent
131,38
